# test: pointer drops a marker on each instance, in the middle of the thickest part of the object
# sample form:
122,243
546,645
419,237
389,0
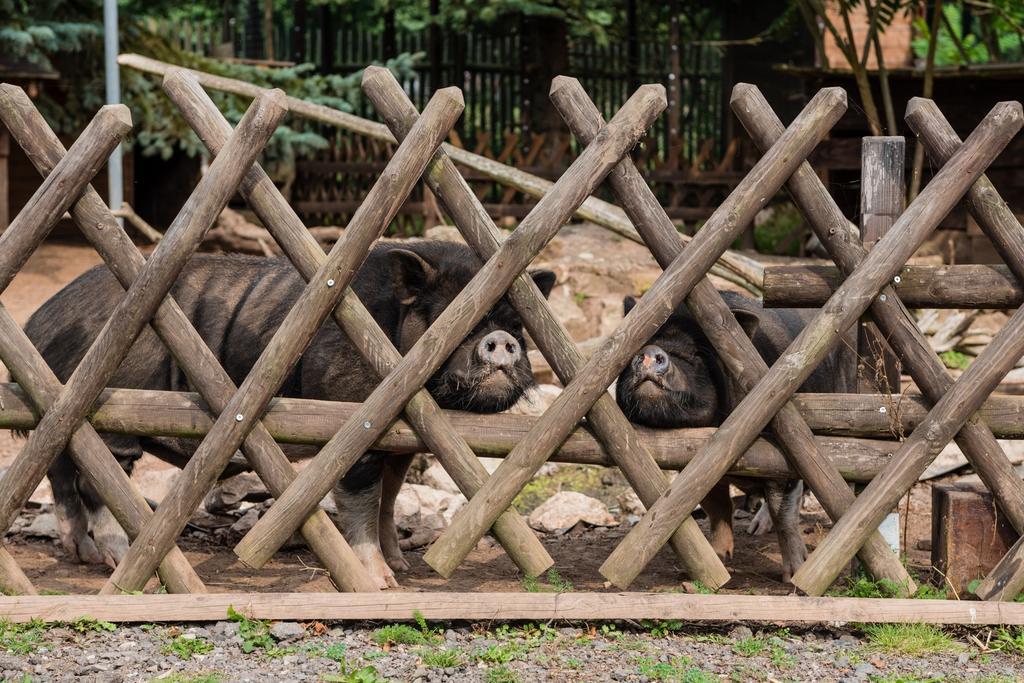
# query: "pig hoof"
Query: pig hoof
398,563
761,523
723,546
85,551
376,566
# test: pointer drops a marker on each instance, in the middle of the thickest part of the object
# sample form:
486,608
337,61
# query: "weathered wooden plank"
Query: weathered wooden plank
695,554
292,337
956,286
438,606
190,352
812,345
376,348
731,218
731,343
458,319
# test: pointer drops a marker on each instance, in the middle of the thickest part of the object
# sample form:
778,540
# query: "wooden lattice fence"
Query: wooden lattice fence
249,418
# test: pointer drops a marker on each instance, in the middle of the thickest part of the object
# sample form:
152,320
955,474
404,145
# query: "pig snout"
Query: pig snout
651,361
499,349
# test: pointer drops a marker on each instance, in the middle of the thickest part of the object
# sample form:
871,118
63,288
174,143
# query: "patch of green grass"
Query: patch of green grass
580,297
926,591
21,639
335,651
586,479
502,653
573,663
50,591
500,674
863,586
255,633
679,669
906,679
185,647
211,677
909,639
398,634
91,625
442,659
350,674
556,583
955,359
749,647
777,654
1008,640
702,589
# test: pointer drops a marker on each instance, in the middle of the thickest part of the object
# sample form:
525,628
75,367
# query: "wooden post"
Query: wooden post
437,432
813,344
882,196
894,321
458,319
554,341
969,535
732,265
732,344
116,337
186,346
143,412
308,313
640,325
956,286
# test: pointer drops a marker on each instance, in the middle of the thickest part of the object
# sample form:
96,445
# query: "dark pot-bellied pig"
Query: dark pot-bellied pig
677,381
237,303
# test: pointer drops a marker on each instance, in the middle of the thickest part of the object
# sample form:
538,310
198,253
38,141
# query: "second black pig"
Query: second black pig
237,303
677,381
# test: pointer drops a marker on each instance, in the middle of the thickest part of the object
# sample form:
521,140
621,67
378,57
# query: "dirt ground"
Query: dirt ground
578,554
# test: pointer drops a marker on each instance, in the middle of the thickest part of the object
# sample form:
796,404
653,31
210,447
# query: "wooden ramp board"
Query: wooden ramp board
401,606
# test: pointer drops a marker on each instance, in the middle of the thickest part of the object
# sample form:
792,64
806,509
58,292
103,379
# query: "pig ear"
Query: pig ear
748,320
627,305
544,279
410,274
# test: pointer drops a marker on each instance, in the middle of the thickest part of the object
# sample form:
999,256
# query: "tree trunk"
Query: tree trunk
546,42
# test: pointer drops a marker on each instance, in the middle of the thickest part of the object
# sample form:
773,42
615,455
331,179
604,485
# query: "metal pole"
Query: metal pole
115,181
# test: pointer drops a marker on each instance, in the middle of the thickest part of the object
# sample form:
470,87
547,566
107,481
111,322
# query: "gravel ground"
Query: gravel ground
367,653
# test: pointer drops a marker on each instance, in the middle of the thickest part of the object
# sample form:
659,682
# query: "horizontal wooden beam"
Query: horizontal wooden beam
969,286
303,421
441,606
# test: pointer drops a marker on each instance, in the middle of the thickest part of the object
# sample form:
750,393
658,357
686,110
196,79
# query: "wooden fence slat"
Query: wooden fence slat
814,343
355,320
537,607
611,426
458,319
894,321
953,286
643,321
101,361
731,343
292,337
173,327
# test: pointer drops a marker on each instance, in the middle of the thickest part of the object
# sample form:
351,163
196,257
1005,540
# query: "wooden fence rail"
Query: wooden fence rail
825,439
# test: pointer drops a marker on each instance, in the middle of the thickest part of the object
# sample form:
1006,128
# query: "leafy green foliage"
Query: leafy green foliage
955,359
863,586
255,633
679,669
1008,640
21,639
91,625
185,647
442,659
501,674
556,583
996,35
350,674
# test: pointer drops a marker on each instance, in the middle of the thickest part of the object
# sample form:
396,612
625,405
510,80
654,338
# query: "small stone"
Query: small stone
842,662
864,669
963,658
741,633
286,630
566,509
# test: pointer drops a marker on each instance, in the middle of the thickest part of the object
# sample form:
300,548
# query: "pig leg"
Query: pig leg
72,518
357,497
718,506
783,502
761,522
394,470
108,535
